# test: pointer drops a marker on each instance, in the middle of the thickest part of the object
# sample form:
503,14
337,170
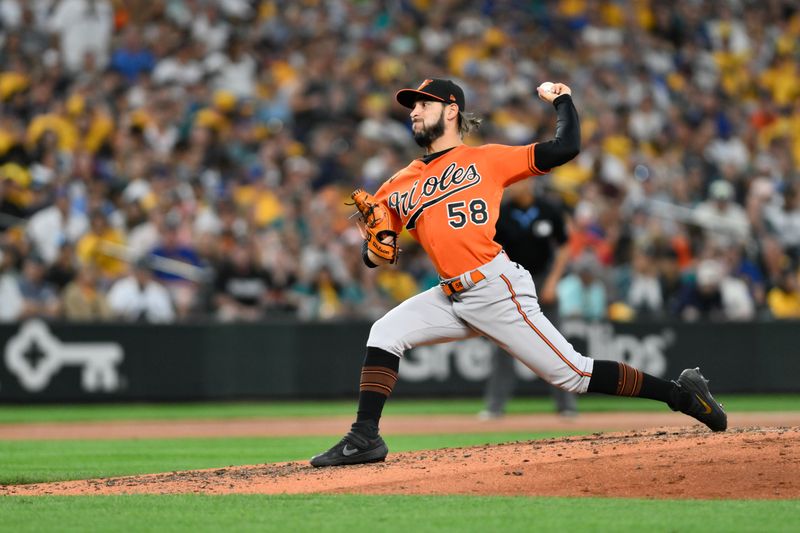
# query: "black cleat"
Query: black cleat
696,400
355,448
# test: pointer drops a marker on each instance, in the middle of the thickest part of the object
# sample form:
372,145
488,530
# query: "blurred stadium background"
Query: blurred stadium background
204,149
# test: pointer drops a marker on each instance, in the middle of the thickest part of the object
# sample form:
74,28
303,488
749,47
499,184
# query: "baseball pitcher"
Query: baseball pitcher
449,201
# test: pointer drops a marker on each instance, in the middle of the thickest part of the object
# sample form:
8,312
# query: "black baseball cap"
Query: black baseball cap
433,89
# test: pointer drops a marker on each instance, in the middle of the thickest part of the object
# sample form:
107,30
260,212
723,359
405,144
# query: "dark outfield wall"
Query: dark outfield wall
42,362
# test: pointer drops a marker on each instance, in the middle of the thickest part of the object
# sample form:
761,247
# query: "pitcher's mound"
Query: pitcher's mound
659,463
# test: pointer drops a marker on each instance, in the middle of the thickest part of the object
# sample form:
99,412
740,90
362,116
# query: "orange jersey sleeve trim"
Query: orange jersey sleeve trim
532,161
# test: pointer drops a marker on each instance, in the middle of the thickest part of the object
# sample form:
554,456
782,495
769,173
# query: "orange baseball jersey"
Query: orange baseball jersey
451,203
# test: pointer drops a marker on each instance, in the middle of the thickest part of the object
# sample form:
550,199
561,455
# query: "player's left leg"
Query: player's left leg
506,310
426,318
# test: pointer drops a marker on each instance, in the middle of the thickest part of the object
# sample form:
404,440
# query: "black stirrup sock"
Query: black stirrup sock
378,378
620,379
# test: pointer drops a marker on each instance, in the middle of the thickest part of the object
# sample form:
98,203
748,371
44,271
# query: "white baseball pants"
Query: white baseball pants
503,307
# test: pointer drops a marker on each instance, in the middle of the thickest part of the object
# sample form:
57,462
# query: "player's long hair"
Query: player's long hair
468,122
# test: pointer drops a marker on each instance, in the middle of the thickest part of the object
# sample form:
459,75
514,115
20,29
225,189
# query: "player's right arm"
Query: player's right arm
567,141
514,163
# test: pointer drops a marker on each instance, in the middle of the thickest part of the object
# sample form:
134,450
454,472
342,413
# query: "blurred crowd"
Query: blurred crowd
173,160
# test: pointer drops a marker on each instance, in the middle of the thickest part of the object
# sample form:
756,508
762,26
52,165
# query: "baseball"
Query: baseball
546,86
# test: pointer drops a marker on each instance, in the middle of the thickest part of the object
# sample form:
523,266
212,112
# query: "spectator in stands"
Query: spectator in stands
644,292
161,129
39,298
723,219
242,286
784,298
646,121
784,220
103,247
397,284
670,277
715,295
758,203
84,301
588,235
10,294
582,293
368,299
141,228
177,266
182,68
16,15
209,27
12,208
84,29
132,58
49,228
323,297
744,265
64,268
234,70
323,252
140,298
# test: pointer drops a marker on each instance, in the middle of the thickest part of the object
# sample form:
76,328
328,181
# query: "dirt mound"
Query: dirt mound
753,462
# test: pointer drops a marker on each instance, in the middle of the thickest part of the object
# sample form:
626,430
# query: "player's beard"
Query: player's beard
425,136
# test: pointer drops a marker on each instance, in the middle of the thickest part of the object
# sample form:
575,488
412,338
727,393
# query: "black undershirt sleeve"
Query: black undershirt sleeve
567,141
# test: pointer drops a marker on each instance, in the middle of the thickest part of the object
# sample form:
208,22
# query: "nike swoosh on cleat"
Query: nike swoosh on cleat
708,407
347,451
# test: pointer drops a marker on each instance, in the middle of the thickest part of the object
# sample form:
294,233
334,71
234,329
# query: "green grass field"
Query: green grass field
589,404
389,513
33,461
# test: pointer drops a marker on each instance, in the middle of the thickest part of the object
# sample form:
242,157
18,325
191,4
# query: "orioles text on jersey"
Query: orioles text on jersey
434,190
450,202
